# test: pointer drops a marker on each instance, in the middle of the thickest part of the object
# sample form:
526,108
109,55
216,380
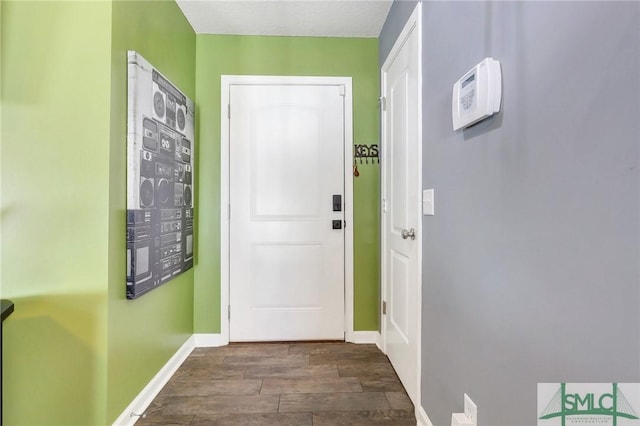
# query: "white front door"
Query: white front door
401,207
286,232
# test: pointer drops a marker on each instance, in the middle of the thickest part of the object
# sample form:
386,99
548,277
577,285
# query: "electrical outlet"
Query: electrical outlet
470,410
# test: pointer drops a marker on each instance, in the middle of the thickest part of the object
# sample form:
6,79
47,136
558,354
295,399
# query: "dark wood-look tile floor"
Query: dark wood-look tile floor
256,384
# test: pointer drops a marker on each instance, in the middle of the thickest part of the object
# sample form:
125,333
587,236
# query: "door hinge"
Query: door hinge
341,88
228,211
228,110
384,308
384,205
383,102
229,312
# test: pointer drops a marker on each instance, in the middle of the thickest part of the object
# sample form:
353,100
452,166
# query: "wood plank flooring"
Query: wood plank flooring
260,384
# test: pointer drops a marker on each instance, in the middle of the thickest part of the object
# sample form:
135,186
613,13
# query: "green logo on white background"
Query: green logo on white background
589,404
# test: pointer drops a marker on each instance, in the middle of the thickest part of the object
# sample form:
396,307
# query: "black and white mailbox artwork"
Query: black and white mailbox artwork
159,178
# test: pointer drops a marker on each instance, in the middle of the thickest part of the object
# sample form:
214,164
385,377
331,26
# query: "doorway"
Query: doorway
287,199
401,194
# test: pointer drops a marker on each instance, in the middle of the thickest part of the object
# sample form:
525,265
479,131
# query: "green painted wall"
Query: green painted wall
143,334
54,210
355,57
75,351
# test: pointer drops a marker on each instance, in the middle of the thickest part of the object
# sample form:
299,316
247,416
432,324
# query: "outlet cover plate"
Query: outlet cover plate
470,410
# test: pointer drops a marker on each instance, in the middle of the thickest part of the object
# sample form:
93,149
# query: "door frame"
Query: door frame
226,81
414,23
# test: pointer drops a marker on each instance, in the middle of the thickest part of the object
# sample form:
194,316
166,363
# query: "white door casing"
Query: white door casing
289,273
401,187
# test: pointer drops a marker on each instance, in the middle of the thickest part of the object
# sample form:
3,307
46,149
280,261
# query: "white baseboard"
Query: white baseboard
421,416
363,337
210,340
140,403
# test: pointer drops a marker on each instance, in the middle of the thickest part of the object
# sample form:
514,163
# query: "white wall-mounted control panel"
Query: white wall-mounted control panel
477,95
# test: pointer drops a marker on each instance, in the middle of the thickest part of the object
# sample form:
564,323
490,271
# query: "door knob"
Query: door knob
411,233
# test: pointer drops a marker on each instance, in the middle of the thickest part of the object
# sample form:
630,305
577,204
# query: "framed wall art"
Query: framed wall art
160,159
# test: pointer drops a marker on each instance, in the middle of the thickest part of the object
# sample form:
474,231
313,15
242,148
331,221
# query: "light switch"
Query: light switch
428,208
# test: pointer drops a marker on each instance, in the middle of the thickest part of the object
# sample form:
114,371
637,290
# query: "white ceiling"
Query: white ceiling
324,18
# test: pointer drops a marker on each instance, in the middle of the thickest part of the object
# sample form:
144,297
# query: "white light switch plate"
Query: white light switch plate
428,208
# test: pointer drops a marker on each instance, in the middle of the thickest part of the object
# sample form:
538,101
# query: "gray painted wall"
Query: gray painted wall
531,264
398,15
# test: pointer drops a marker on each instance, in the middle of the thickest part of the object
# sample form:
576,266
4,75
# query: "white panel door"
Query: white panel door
401,214
286,260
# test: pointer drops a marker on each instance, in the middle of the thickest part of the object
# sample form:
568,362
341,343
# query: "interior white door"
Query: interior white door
286,259
401,210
